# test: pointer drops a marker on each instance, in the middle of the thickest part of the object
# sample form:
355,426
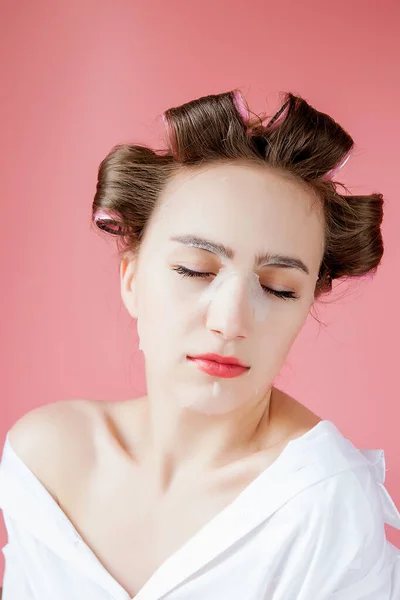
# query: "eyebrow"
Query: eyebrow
262,259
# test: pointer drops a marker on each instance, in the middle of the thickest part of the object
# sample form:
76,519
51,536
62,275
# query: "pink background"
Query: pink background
79,76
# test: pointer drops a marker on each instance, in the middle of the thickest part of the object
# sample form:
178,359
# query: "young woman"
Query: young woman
217,484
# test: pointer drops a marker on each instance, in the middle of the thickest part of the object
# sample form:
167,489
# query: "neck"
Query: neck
178,438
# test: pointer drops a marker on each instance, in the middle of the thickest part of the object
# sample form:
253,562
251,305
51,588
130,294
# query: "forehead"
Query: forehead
246,207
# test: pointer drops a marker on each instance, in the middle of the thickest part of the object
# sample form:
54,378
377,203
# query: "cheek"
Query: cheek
161,311
282,326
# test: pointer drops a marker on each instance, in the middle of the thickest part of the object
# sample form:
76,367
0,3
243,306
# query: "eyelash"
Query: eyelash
185,272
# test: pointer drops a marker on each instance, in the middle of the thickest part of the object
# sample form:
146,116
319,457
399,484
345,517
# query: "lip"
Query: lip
229,368
223,360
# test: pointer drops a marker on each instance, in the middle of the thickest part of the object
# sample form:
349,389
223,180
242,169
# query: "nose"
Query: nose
228,312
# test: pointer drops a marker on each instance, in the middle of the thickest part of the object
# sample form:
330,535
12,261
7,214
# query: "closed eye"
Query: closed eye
185,272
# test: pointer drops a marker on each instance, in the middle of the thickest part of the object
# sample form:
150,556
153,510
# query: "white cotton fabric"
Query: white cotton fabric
309,527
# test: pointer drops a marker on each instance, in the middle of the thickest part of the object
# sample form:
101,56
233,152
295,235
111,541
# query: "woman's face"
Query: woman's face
223,222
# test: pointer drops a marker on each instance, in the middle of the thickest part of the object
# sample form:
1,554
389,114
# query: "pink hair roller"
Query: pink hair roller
330,174
102,215
278,117
241,106
368,276
108,221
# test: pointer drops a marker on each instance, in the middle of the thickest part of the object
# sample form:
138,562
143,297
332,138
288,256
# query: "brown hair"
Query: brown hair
306,144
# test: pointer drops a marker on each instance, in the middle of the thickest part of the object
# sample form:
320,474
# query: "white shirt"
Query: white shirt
309,527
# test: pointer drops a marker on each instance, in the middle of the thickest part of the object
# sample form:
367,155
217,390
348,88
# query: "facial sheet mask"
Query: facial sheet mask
217,399
138,329
221,396
223,287
211,399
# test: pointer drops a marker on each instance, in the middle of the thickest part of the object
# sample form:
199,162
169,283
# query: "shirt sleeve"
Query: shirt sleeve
375,572
15,582
343,552
381,583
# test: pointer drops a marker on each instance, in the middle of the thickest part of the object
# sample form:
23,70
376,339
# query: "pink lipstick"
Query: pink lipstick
219,366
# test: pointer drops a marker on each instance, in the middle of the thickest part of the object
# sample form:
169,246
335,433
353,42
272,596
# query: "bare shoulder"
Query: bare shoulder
50,438
293,416
49,425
